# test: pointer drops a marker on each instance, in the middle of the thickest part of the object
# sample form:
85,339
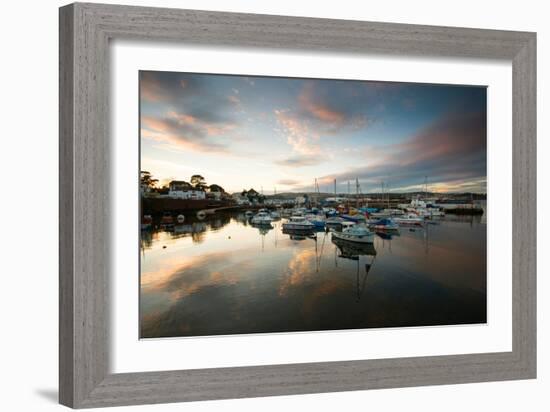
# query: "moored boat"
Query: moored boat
356,233
410,219
352,250
334,221
384,224
262,218
318,221
357,218
298,223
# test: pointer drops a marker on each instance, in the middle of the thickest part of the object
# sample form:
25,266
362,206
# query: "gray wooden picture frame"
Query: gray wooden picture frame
85,32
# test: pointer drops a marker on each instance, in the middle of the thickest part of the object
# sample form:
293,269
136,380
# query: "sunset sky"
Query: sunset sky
281,133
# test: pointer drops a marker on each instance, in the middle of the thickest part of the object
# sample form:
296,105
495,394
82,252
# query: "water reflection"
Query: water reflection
222,275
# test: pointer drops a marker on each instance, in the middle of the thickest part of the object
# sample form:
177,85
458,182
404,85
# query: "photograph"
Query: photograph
284,205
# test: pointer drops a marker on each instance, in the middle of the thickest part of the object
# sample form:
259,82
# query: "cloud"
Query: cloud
300,160
316,107
167,87
288,182
451,152
186,131
335,106
194,114
322,109
302,140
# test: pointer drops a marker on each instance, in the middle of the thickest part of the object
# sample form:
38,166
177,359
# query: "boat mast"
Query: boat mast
425,187
357,193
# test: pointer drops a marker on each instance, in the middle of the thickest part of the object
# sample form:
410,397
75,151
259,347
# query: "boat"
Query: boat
356,233
423,208
330,211
347,223
286,213
384,224
380,214
318,221
262,218
180,219
435,212
352,250
335,221
249,213
409,219
275,215
298,223
357,218
393,212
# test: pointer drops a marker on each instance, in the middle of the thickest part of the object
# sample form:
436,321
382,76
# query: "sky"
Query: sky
280,134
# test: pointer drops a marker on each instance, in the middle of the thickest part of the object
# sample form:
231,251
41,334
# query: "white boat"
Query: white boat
356,233
423,208
392,212
380,214
409,219
275,215
262,218
249,213
435,212
298,223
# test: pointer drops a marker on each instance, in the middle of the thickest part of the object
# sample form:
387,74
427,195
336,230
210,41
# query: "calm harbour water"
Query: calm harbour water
223,276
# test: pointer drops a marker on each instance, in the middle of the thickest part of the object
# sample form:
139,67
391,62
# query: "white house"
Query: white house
179,189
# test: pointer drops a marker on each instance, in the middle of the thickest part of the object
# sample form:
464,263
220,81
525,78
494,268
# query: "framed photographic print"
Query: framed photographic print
257,205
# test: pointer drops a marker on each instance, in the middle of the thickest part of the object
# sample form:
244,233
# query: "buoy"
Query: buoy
180,219
164,247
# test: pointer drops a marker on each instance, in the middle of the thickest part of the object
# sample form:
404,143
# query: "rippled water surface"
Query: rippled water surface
223,276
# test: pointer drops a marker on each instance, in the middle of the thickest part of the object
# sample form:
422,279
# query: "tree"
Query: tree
198,182
216,188
146,179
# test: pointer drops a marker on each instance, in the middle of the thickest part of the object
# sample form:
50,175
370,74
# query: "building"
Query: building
179,189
